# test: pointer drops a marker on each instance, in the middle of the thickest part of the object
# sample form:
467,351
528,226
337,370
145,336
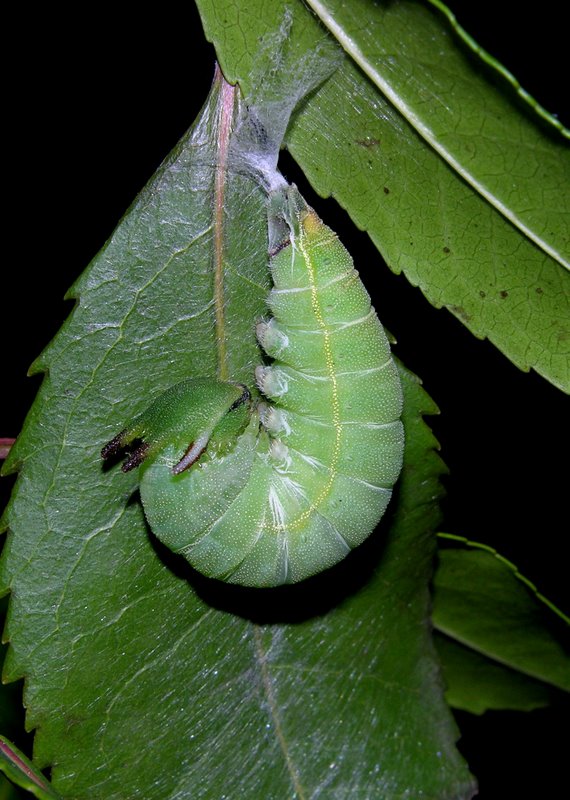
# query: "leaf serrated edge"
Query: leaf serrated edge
492,62
511,567
352,49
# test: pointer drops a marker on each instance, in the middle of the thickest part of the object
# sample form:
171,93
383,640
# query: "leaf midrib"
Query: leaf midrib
261,657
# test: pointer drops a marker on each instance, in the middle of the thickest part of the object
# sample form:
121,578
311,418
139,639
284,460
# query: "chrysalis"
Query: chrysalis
266,493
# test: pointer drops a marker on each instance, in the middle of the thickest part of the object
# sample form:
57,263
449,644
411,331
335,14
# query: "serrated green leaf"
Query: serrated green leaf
499,68
460,115
481,602
143,678
10,696
457,240
11,719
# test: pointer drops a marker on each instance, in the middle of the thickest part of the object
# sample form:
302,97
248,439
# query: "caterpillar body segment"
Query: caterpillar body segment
335,398
274,492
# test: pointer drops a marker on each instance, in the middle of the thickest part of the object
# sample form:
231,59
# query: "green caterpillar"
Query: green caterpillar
272,492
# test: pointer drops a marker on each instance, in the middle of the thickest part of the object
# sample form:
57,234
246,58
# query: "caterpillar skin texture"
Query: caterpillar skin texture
274,492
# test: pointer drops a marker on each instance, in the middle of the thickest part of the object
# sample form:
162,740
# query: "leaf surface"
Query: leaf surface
477,684
458,186
515,165
142,677
482,604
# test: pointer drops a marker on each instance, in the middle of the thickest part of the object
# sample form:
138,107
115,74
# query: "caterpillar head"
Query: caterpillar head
189,417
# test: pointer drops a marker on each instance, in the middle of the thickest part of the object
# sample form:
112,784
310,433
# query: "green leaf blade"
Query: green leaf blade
478,684
482,603
152,281
371,656
143,678
460,114
425,219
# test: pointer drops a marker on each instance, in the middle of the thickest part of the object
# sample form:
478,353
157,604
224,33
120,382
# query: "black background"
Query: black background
95,104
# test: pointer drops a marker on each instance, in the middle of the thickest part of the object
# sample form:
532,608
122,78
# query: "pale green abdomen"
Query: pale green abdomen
312,475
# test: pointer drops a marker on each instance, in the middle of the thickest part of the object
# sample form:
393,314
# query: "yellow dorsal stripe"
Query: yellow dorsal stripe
310,224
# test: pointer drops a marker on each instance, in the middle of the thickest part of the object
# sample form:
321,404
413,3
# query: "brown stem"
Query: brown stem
225,117
5,446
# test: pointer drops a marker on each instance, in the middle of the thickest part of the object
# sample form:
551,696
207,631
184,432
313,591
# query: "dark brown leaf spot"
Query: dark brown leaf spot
368,141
